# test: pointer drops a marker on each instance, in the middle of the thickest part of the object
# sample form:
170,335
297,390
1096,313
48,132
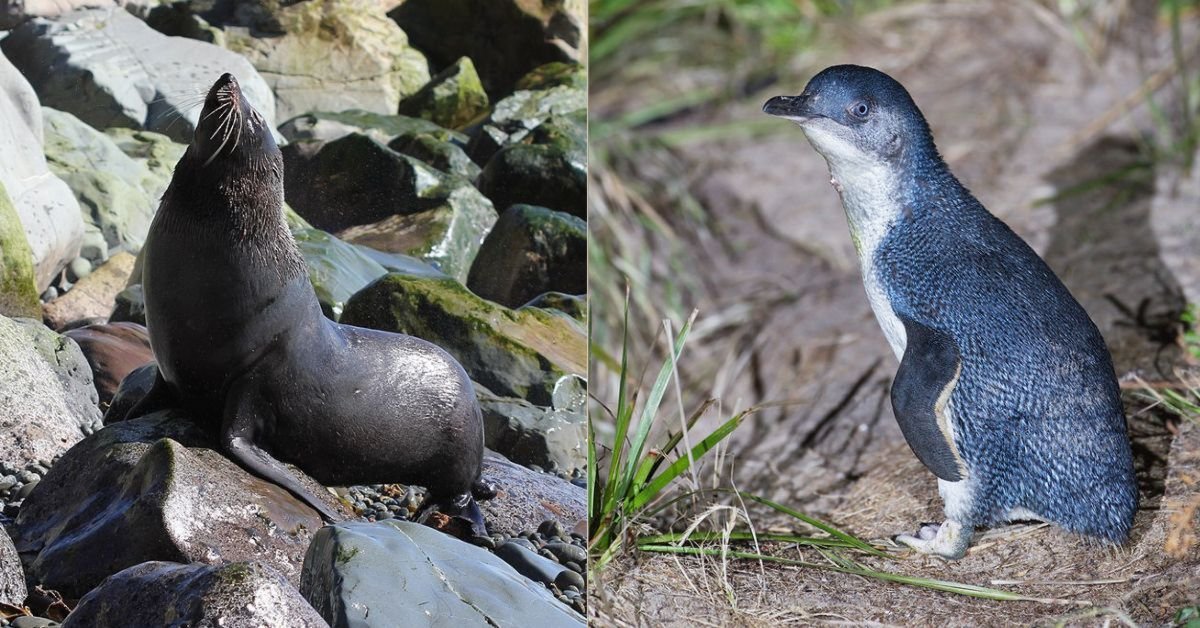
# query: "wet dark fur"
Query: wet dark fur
241,340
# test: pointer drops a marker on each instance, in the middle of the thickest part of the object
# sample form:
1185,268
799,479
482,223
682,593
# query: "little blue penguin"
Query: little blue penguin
1005,389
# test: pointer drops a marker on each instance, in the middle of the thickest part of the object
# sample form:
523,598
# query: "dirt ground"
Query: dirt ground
1036,128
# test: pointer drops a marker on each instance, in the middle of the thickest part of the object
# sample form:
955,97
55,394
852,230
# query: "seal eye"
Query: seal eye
860,110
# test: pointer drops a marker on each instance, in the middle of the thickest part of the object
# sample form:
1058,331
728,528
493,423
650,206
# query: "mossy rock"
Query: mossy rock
537,174
369,194
516,116
452,99
327,126
336,269
515,353
439,153
531,250
18,287
553,75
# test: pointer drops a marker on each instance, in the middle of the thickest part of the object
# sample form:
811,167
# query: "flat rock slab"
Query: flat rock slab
154,489
234,595
398,573
94,295
526,498
112,70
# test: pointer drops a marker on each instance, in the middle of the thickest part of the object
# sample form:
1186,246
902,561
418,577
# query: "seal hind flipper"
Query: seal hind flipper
462,507
239,430
928,372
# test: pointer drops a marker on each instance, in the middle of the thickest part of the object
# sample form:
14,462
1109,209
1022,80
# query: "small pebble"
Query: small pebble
568,578
26,490
50,294
33,622
565,552
78,269
8,482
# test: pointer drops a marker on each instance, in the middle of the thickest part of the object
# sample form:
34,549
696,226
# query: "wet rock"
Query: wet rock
154,488
442,154
574,306
537,174
452,99
530,250
131,389
550,438
410,207
92,296
18,287
46,392
110,69
515,353
106,181
336,269
329,126
328,55
241,594
525,498
401,571
113,350
554,75
529,116
528,563
130,306
505,38
12,579
48,211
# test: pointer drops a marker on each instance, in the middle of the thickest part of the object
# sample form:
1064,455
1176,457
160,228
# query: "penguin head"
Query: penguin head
858,116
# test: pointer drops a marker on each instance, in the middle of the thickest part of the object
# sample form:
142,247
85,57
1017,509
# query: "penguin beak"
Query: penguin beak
795,108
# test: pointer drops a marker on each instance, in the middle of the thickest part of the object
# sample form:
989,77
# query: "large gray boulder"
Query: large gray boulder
553,438
156,488
12,578
112,70
514,353
47,396
329,55
233,595
398,573
372,195
106,181
505,38
531,250
45,205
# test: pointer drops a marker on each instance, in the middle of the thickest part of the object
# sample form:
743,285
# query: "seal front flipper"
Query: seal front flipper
239,433
927,375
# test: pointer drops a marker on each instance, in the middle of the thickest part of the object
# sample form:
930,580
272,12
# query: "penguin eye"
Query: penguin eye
860,110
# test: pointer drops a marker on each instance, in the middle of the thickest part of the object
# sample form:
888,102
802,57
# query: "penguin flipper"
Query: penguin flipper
928,373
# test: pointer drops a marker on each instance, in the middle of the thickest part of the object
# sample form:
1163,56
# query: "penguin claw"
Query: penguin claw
948,540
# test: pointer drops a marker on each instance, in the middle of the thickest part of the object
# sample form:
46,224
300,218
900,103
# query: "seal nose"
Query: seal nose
226,79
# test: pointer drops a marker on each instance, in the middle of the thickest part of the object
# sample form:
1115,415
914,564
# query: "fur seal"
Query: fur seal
1005,390
238,334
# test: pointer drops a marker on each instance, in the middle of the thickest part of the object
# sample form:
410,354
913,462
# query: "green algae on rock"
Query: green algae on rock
452,99
18,286
531,250
515,353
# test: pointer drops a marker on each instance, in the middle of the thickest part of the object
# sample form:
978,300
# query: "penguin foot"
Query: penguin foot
948,540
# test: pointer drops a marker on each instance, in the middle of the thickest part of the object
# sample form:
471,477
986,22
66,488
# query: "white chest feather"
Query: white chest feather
869,195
